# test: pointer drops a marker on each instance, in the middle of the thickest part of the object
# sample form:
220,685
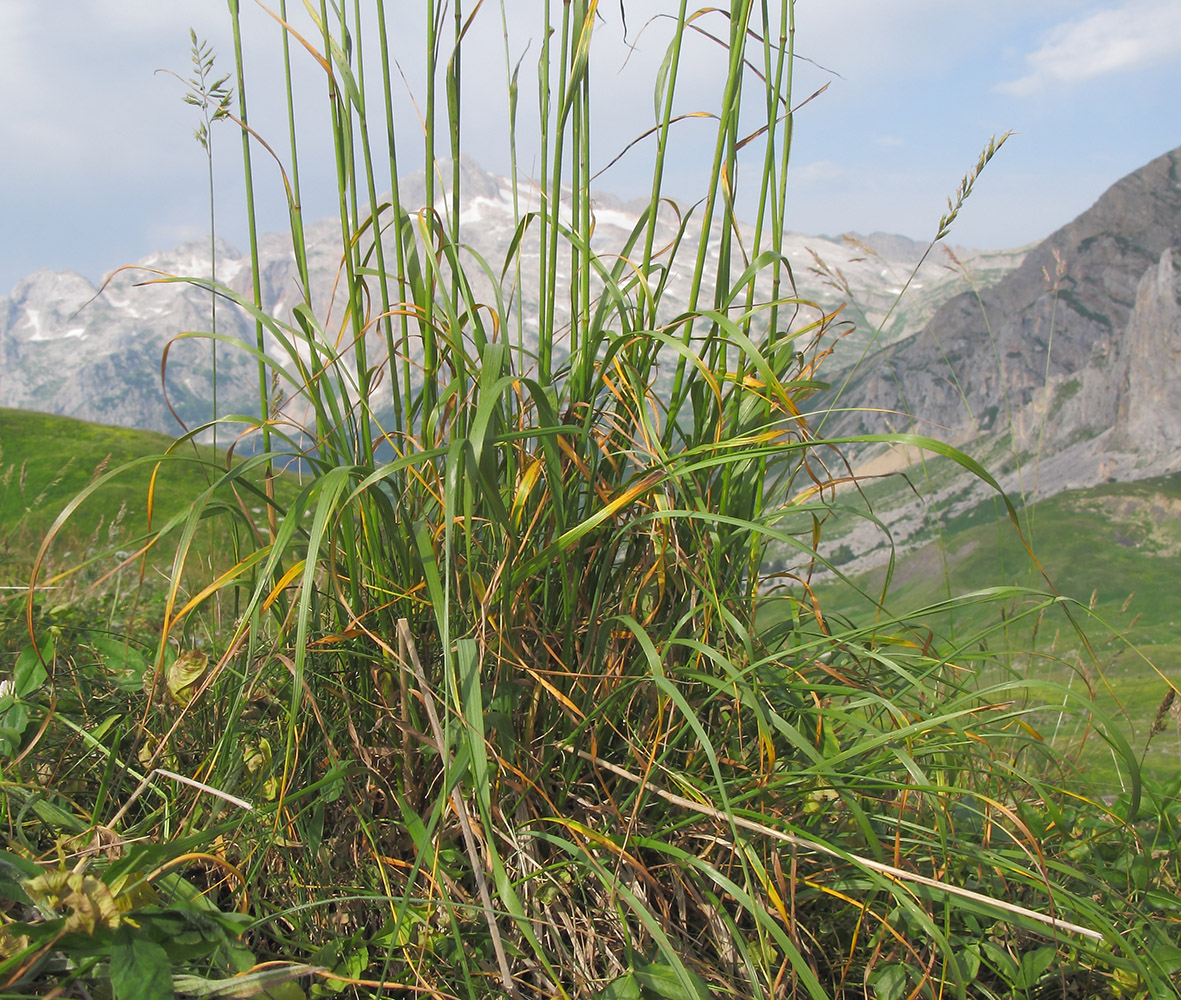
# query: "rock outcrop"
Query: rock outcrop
1070,355
1148,413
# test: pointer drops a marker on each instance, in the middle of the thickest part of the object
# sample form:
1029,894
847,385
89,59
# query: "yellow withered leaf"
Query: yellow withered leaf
89,901
258,764
185,674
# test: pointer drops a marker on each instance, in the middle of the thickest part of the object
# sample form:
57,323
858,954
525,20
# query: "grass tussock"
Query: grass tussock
499,698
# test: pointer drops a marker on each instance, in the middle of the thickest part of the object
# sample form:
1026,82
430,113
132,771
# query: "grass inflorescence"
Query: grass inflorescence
499,698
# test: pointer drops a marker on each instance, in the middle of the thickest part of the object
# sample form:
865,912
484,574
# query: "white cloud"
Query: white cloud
819,172
1134,35
13,29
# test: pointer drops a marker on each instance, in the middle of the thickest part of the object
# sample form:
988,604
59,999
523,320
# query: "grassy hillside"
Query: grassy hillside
46,461
1112,549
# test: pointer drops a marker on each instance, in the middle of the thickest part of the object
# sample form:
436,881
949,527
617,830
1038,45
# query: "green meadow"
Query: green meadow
120,485
46,461
1109,551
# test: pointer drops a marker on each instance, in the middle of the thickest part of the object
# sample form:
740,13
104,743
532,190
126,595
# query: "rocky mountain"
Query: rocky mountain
1070,360
69,348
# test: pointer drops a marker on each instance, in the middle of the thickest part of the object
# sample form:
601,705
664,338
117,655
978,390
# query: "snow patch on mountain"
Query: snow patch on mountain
66,347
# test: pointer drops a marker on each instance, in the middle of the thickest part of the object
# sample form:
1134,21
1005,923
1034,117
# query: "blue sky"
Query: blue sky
98,166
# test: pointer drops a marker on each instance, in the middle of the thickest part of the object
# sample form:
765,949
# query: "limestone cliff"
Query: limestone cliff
1076,347
1148,416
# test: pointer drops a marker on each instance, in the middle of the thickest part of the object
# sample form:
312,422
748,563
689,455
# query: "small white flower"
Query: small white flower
6,688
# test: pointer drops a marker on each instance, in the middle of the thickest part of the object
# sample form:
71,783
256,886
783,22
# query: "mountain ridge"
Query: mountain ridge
1063,312
70,350
1060,376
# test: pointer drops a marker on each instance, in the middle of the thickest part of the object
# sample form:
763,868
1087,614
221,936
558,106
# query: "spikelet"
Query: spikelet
966,184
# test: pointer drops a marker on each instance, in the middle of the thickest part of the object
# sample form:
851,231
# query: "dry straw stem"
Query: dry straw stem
406,642
812,845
